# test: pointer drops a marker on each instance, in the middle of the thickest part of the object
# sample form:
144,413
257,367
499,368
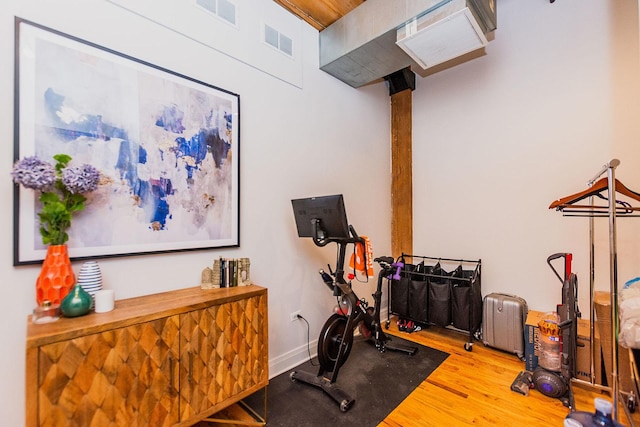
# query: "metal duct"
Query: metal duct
361,48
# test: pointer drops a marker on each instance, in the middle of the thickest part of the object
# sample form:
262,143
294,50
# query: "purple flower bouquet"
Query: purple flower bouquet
61,192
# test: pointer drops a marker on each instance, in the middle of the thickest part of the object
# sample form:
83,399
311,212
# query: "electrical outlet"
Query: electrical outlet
294,316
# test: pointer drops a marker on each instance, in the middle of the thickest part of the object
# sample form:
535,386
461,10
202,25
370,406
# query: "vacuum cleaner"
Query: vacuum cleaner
554,379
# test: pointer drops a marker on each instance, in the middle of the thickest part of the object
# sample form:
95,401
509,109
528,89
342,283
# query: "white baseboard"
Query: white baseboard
293,358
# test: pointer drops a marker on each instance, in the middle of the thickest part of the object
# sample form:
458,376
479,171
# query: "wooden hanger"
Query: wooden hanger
595,190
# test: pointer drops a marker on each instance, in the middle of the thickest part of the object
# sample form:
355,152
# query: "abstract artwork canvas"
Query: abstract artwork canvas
167,147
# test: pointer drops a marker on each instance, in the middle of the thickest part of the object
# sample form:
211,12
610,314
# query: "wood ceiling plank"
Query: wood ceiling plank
319,13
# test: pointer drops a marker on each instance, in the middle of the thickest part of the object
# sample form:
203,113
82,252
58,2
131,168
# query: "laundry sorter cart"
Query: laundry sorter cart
438,291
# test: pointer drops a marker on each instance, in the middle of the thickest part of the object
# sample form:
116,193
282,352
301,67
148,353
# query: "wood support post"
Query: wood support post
401,174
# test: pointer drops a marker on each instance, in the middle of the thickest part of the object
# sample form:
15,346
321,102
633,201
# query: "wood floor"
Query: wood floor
473,389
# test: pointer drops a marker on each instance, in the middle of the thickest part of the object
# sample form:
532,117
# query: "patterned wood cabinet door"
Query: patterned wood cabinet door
121,377
223,353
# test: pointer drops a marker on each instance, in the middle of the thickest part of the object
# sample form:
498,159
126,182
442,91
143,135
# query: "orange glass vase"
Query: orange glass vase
56,278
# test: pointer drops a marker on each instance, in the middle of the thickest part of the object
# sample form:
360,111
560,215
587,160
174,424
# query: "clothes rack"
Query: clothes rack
426,292
614,208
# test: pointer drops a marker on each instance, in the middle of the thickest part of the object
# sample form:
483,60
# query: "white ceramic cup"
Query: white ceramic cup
105,299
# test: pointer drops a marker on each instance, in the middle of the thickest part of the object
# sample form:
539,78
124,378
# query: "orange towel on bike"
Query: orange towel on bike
362,258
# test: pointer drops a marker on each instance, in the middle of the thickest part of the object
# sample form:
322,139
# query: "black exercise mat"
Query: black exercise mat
377,381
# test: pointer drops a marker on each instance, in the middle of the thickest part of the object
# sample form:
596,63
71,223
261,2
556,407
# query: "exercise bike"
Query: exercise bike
336,336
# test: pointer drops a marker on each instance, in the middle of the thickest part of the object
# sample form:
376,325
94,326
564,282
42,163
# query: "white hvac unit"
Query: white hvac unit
448,30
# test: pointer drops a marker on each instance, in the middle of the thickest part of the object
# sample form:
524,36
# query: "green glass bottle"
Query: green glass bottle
77,303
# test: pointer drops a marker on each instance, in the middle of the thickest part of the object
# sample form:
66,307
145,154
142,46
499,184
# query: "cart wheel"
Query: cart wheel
631,404
468,346
386,324
291,377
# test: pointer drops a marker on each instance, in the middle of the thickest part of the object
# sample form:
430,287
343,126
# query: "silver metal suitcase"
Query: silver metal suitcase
503,319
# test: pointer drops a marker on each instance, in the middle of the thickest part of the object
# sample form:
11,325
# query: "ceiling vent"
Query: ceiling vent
432,39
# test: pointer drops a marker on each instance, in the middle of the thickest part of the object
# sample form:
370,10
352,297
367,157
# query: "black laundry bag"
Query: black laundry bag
419,294
466,300
439,297
409,294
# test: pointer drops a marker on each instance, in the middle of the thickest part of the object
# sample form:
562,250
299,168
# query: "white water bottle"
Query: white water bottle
601,417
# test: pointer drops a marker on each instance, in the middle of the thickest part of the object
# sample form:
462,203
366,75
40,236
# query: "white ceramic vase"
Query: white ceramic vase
90,278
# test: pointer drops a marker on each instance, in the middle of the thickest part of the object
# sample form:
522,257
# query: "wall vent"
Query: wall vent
276,39
223,9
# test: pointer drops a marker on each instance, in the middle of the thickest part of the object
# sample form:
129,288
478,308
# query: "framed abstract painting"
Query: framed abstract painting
166,145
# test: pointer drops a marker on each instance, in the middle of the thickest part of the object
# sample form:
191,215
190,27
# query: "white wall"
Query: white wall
497,139
325,138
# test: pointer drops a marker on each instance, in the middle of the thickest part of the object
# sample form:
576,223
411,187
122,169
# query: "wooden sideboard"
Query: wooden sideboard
168,359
